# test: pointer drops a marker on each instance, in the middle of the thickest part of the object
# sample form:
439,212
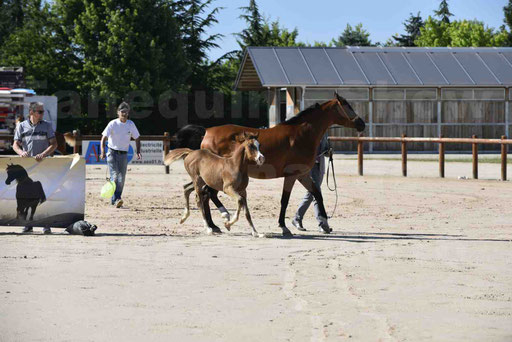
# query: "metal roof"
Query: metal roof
374,66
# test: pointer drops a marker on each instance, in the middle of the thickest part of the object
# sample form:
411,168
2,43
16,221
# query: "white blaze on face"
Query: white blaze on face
260,159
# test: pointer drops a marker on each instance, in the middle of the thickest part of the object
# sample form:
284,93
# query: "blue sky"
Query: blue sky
322,20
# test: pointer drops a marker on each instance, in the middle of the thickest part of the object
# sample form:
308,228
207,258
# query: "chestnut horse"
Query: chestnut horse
222,174
289,148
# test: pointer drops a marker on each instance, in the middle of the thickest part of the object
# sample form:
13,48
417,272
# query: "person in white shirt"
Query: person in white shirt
119,132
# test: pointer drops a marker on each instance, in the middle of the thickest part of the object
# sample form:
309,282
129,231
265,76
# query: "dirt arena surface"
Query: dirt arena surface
410,259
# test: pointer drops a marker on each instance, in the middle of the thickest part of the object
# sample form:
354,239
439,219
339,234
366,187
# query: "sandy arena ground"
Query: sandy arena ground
410,259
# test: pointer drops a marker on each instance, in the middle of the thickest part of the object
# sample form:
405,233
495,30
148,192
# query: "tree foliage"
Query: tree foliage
356,36
444,12
463,33
413,27
507,11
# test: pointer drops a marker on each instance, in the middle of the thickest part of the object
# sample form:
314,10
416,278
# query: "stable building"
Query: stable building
422,92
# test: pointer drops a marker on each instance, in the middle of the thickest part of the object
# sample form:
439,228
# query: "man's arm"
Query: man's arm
49,150
102,146
137,147
18,148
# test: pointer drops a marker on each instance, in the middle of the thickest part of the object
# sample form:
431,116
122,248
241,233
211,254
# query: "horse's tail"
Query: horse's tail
179,153
190,136
40,192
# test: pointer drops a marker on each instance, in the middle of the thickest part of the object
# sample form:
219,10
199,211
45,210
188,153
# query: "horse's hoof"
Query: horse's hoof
227,225
226,216
183,219
209,231
216,230
256,234
286,232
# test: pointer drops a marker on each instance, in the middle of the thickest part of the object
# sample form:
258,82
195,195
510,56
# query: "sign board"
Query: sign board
152,152
53,191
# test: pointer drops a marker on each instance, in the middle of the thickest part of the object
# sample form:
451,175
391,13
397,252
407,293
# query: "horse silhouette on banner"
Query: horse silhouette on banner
29,194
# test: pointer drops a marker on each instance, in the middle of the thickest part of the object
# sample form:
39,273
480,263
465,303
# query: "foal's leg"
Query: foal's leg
285,197
313,188
215,199
187,190
248,215
235,195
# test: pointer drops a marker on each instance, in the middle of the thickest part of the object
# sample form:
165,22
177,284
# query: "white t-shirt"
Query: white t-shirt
119,134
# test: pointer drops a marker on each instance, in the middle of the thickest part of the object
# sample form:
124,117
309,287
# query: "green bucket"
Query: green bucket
108,189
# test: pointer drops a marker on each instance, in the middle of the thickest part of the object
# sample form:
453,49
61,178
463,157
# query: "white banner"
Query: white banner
50,192
152,152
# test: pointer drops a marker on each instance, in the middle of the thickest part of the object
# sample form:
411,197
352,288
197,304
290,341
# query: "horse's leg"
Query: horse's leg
285,197
187,190
215,199
312,187
236,196
199,198
248,214
207,211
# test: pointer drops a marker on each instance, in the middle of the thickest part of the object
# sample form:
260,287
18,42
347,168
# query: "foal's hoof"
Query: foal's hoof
227,225
286,231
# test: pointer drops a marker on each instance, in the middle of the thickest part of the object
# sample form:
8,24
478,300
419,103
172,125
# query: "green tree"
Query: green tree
444,12
194,18
507,10
37,47
126,46
356,36
413,27
12,16
463,33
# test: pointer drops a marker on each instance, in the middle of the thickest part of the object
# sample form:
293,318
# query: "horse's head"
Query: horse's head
250,142
346,115
15,172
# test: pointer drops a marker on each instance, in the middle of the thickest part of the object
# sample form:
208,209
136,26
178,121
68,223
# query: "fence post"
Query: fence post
503,160
475,158
78,141
360,157
166,149
404,156
441,158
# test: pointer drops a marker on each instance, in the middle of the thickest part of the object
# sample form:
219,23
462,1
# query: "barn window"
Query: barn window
388,94
457,94
489,94
421,94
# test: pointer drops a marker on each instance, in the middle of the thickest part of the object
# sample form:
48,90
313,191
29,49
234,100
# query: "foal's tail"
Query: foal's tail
179,153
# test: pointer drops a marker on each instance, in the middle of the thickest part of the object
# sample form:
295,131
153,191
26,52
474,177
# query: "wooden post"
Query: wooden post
503,160
441,158
475,158
360,157
78,141
167,144
404,156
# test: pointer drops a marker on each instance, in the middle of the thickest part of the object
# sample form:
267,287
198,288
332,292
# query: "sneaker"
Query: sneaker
298,224
324,228
27,230
119,203
47,230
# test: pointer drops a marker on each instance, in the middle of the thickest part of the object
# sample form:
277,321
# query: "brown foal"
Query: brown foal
227,174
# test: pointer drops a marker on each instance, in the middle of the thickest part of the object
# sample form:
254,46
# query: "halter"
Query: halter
342,109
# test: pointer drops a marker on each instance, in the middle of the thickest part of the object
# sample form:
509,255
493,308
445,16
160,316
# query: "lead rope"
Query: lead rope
331,163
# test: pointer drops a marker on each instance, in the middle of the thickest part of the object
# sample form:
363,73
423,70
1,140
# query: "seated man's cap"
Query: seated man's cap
123,107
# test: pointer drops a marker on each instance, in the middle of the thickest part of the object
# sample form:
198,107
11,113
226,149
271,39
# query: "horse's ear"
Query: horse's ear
240,138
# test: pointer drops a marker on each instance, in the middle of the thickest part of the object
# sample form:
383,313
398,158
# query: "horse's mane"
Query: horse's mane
300,117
